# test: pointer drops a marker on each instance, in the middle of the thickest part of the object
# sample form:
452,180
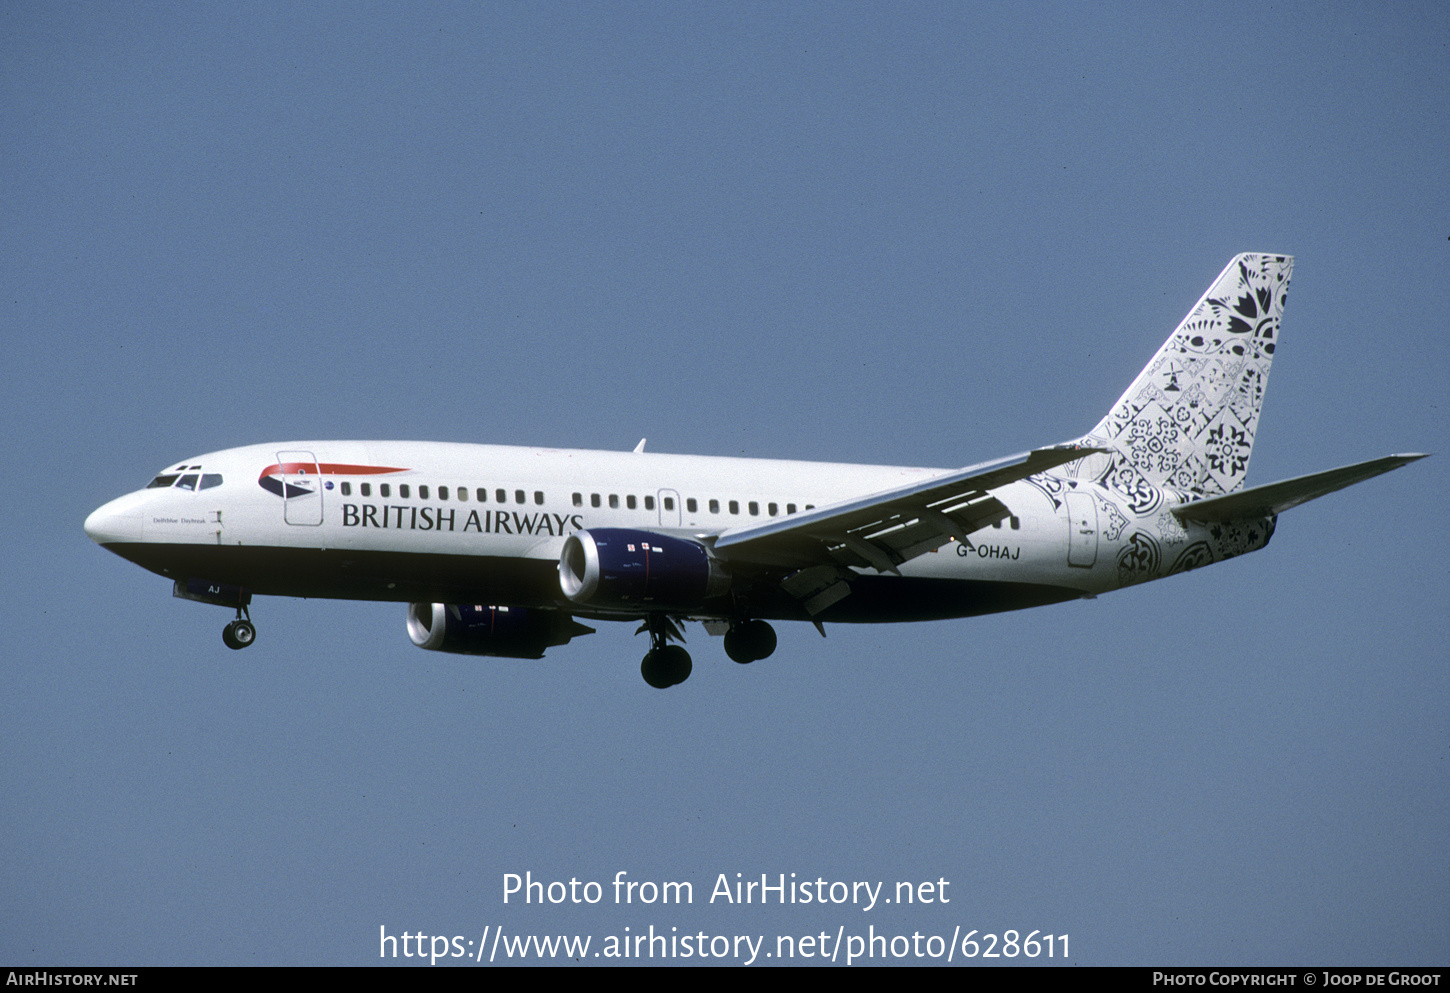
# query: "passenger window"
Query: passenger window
210,479
690,504
754,508
539,497
384,490
423,492
790,508
649,503
403,491
613,501
1016,524
810,506
186,482
365,488
463,494
594,499
442,492
518,496
669,503
630,501
578,499
482,494
771,509
502,496
346,488
714,506
734,506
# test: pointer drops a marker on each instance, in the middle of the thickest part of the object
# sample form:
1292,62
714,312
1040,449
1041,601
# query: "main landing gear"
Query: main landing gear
750,641
241,632
664,664
667,665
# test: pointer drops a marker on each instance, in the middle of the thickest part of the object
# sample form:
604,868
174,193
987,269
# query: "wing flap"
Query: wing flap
885,529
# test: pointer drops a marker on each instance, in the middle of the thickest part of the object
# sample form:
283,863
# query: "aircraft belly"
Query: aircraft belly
914,598
352,574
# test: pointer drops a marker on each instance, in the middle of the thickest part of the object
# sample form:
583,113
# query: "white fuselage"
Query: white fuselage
437,521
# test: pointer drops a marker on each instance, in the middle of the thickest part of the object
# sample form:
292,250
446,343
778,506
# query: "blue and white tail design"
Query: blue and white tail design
1188,421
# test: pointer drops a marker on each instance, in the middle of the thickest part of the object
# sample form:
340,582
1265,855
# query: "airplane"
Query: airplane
501,551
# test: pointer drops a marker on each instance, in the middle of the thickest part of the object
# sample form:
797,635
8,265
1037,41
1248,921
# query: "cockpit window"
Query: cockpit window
186,482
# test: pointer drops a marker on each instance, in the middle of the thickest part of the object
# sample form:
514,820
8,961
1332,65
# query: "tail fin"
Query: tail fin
1188,420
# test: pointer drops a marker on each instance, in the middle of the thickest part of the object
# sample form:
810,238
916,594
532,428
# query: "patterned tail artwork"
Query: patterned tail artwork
1188,420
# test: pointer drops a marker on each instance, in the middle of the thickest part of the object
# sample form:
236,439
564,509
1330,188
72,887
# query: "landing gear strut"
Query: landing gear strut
664,664
241,632
749,641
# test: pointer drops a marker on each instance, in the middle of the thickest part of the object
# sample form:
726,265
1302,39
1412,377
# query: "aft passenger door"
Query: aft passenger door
1082,530
301,488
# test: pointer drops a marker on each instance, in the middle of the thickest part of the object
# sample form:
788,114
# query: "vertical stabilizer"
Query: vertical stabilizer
1188,420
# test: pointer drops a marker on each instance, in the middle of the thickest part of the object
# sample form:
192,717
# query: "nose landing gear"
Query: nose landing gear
241,632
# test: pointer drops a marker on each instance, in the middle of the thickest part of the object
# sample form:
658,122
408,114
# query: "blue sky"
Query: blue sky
901,233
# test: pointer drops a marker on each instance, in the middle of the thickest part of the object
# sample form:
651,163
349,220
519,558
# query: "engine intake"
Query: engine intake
504,632
619,567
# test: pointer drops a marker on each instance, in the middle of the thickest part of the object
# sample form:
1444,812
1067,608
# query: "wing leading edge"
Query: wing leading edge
885,529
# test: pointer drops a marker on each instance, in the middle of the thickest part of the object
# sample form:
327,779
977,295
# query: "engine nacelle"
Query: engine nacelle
619,567
506,632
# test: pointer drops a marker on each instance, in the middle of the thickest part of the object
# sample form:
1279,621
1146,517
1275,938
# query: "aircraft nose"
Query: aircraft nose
116,522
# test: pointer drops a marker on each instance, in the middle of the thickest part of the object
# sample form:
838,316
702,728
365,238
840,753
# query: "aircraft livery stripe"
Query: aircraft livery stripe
327,469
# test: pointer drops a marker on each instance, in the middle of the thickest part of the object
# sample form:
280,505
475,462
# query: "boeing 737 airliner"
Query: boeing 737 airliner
500,551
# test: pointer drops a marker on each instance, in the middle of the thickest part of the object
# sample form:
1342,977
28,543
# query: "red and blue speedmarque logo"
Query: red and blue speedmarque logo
290,480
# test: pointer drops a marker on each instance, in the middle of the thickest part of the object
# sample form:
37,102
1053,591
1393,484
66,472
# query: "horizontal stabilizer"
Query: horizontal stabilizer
1265,501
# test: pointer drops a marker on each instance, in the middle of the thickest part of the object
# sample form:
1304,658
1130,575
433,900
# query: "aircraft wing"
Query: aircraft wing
1263,501
885,529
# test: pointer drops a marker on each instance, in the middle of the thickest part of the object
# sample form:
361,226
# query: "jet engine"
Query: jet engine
620,567
506,632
